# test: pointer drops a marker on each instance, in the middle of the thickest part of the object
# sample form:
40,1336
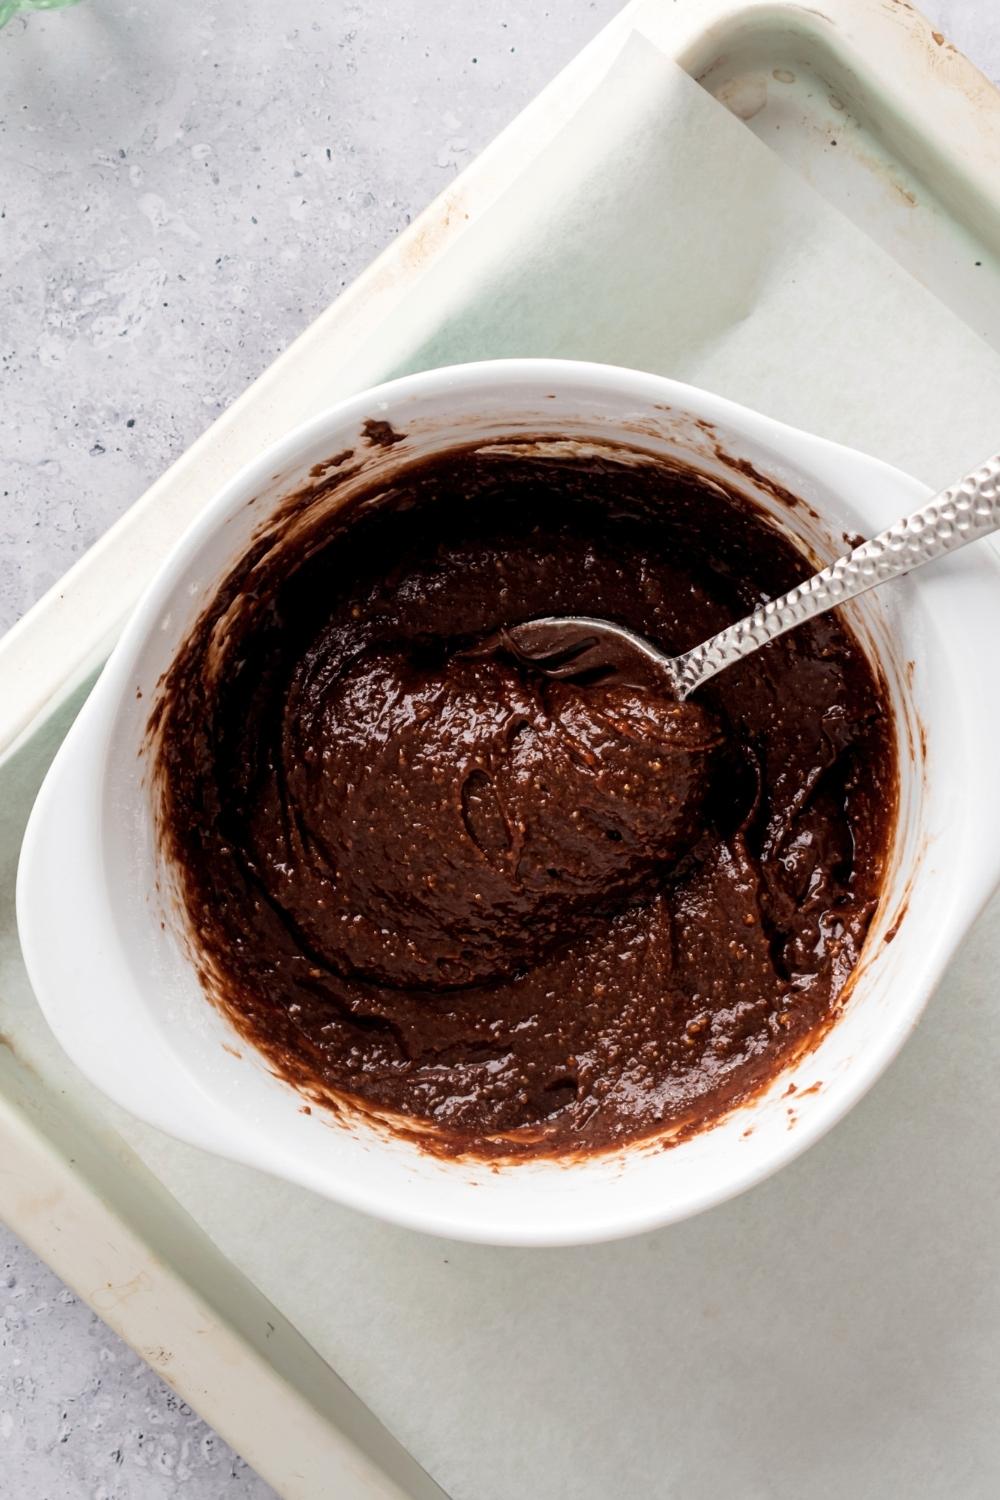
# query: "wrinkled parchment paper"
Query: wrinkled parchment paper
659,232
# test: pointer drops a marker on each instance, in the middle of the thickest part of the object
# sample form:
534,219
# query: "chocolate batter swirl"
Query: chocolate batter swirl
528,916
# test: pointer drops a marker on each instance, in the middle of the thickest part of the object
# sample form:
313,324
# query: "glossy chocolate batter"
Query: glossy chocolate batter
517,915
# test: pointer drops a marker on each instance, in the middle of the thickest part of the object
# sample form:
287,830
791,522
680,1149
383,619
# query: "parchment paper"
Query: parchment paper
659,232
836,1332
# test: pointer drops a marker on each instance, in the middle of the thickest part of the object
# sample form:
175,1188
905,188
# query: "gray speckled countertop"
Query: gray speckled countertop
182,188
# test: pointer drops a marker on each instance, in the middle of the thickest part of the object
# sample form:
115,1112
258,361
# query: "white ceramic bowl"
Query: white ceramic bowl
122,997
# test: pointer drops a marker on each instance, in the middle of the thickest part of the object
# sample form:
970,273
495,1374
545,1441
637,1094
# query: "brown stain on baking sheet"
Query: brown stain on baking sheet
111,1296
158,1355
430,235
7,1043
417,248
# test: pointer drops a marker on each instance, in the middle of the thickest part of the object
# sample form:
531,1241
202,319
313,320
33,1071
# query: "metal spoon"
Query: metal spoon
574,646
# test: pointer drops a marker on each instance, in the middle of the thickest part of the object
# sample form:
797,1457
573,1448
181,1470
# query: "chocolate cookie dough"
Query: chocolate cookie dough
515,915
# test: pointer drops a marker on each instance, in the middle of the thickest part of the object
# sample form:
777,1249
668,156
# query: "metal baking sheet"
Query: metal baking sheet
491,1343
